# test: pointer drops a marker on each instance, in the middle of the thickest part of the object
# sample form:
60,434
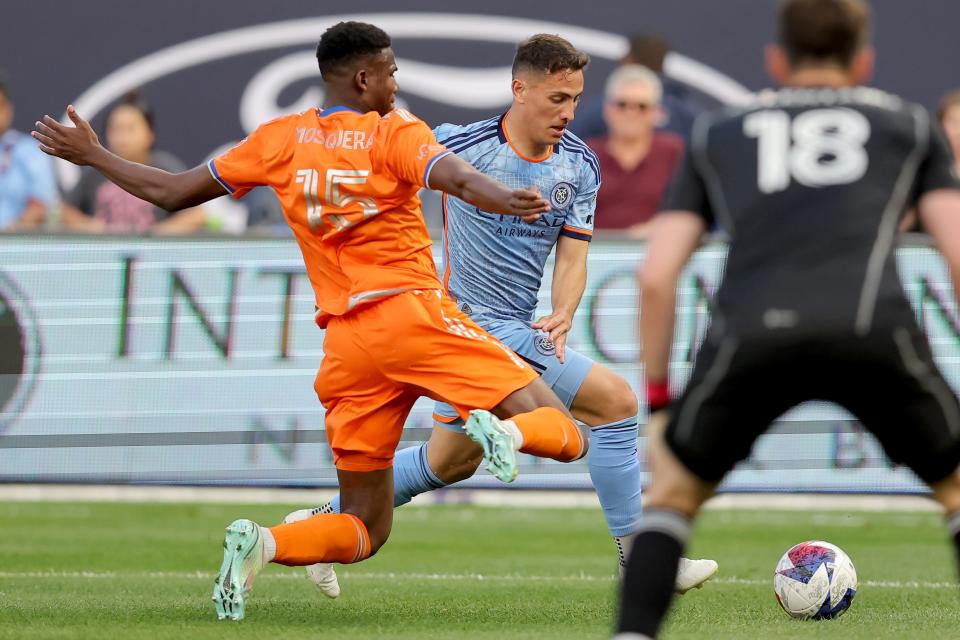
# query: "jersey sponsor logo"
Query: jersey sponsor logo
292,73
544,344
522,232
562,195
19,351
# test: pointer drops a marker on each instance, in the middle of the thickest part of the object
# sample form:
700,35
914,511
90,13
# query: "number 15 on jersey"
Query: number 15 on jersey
333,197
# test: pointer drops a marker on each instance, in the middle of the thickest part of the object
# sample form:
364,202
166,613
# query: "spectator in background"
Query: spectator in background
27,185
681,105
949,116
636,161
97,205
948,113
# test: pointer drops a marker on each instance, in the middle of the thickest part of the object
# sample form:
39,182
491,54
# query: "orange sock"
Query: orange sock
548,433
326,537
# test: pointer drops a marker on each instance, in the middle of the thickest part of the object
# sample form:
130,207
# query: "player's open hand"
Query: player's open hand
528,204
557,326
75,144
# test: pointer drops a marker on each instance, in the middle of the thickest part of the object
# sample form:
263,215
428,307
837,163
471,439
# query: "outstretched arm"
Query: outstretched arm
457,177
79,145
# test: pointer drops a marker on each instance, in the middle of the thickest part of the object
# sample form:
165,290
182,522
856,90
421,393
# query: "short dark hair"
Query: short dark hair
346,42
649,50
136,100
823,31
548,53
947,102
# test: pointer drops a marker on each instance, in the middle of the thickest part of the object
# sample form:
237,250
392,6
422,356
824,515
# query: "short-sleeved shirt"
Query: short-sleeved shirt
810,185
347,182
633,196
26,175
120,211
493,264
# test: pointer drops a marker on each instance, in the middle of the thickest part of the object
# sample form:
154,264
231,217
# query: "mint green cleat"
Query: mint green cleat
243,558
498,445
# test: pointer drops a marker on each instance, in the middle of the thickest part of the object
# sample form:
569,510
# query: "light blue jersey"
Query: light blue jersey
493,264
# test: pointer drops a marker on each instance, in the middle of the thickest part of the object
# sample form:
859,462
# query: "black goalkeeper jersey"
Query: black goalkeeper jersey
810,185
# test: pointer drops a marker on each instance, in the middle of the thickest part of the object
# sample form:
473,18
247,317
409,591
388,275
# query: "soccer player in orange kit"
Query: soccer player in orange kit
348,176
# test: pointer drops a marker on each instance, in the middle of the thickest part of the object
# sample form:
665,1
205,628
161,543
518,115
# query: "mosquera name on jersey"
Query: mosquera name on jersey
348,183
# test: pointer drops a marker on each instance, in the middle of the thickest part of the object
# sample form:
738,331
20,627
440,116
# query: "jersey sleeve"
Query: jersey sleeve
411,150
580,219
687,191
937,170
241,168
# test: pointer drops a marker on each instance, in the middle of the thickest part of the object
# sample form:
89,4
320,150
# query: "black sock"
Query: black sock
953,525
652,571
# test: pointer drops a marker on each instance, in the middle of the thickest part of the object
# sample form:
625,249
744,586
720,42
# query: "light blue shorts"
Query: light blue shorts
533,346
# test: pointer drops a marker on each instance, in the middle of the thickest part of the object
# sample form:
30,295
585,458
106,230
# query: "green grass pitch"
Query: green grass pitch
131,571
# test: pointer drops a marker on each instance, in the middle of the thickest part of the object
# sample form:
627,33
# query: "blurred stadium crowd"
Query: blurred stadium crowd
638,128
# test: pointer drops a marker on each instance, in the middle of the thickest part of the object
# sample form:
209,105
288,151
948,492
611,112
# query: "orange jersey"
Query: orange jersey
348,183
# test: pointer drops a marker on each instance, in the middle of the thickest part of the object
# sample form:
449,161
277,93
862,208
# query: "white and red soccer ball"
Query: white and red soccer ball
815,580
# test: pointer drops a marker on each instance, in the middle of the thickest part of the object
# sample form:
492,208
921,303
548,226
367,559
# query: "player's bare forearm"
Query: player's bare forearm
675,236
569,276
169,191
458,178
569,282
657,316
940,214
79,144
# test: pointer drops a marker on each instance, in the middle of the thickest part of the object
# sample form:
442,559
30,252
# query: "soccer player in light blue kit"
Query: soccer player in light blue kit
493,266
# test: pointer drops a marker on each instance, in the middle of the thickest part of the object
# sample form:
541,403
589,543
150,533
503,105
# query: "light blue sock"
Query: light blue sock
411,477
615,472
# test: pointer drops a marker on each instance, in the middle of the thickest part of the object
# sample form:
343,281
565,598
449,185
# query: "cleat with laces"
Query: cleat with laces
499,446
243,558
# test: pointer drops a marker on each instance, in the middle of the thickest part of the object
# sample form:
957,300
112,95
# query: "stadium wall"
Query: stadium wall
215,69
192,361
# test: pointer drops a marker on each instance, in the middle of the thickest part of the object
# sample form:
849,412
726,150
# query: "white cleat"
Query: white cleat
321,574
691,574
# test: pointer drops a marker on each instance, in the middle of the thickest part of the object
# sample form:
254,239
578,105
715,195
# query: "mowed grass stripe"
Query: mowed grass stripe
440,577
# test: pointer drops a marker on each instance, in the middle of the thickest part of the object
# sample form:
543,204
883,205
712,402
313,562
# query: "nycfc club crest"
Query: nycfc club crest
544,344
562,195
19,351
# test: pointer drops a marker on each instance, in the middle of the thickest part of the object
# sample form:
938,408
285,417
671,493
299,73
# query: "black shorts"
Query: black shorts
888,380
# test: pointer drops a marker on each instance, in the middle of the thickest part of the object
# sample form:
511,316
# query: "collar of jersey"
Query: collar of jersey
505,137
331,110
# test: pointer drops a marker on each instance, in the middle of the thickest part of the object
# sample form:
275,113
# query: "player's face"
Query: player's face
549,102
951,125
632,111
382,86
129,134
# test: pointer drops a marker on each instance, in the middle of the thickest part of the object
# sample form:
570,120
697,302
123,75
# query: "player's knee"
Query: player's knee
619,401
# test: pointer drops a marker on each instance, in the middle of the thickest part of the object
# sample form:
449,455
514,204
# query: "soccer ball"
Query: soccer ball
815,580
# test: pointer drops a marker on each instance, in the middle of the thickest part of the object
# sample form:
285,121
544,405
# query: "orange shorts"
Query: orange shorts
379,359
